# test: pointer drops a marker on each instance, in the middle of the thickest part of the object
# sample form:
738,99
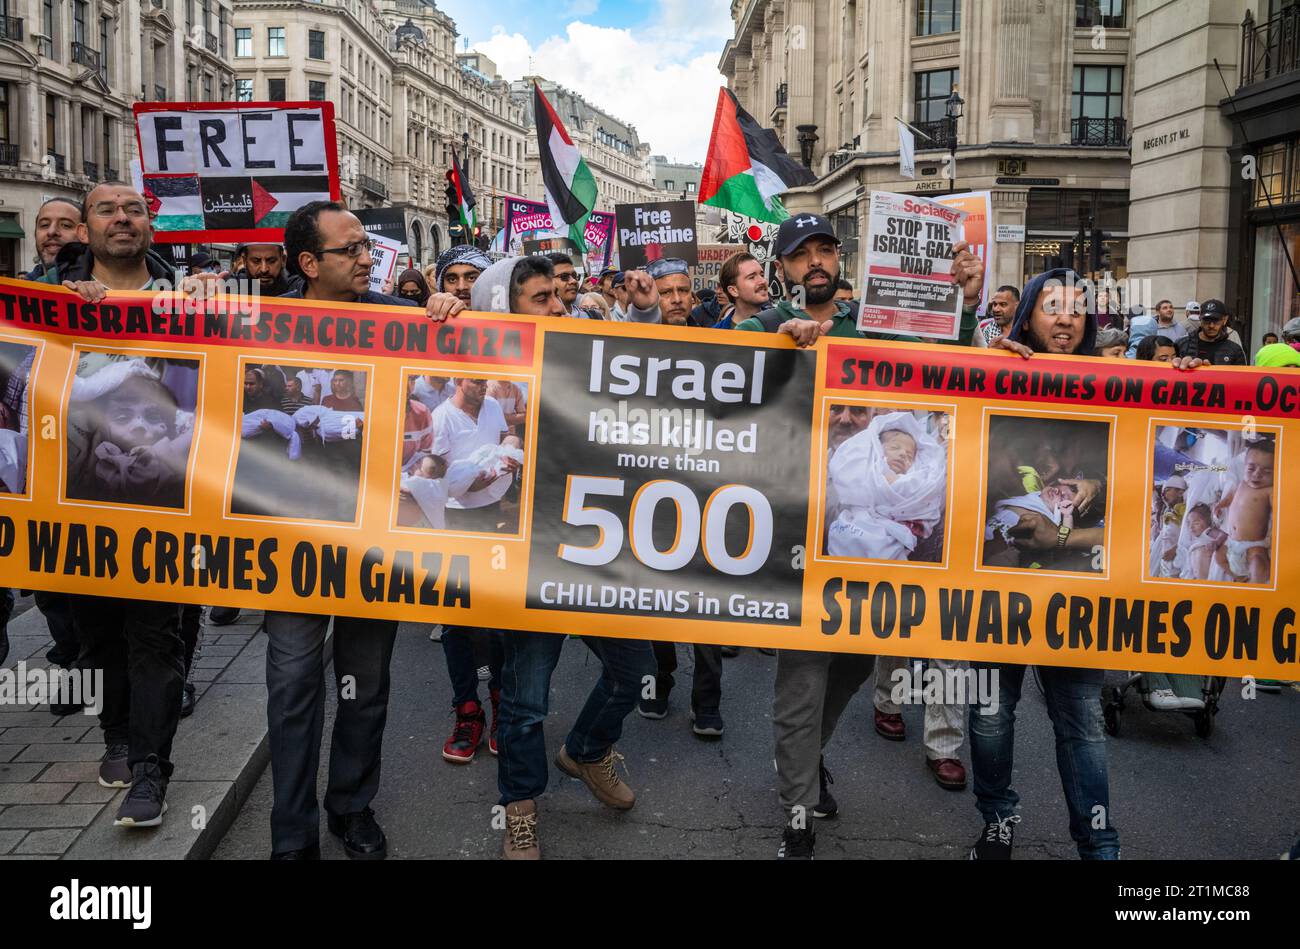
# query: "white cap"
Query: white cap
1176,481
1192,307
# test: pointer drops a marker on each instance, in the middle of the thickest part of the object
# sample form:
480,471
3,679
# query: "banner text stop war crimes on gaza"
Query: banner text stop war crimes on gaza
649,482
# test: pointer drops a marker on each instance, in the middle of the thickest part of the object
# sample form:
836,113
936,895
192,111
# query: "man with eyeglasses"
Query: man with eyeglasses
332,252
142,696
1211,342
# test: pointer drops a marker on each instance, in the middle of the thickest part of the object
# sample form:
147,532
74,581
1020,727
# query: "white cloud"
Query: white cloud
634,76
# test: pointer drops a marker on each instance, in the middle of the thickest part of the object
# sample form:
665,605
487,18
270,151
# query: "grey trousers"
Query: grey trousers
295,712
812,691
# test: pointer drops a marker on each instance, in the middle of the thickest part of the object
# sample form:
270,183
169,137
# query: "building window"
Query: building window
1098,106
316,44
937,16
275,90
1089,13
105,25
669,184
1278,179
932,91
221,32
275,41
6,116
207,87
316,91
79,8
243,90
51,124
244,41
108,150
690,187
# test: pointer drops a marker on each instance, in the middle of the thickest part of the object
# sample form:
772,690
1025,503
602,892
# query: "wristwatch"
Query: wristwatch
1062,535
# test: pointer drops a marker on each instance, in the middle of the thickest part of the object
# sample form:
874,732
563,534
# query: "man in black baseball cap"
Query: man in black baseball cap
1211,342
808,261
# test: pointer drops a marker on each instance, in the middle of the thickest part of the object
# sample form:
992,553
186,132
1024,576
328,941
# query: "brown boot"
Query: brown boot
600,778
521,841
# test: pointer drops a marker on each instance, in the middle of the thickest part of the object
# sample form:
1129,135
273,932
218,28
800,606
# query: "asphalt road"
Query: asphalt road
1174,795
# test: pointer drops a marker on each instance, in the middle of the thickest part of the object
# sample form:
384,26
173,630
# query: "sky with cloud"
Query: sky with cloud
651,63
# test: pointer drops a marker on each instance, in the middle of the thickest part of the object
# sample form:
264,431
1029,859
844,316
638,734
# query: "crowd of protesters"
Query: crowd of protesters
105,244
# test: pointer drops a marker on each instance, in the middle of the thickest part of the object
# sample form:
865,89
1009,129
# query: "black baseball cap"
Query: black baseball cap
1214,310
794,231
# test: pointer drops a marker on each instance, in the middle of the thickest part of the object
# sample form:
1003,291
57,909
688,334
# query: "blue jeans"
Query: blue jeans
1073,704
458,646
530,659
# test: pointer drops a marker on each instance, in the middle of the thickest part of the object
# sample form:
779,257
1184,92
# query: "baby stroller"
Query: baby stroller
1112,702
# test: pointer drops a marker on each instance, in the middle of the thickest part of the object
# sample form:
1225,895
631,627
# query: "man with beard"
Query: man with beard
1211,342
456,270
1002,307
57,221
265,263
138,644
743,284
814,688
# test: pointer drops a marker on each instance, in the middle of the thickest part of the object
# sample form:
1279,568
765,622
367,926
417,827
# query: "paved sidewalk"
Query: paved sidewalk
51,804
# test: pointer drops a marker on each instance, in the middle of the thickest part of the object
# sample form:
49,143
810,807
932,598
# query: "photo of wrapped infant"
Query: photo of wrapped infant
1212,504
886,484
16,361
130,428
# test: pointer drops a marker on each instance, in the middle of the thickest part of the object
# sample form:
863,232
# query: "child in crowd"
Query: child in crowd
1248,524
890,481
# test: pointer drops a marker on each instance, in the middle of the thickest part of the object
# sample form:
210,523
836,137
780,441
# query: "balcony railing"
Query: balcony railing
81,53
372,185
1088,14
59,162
210,42
45,46
111,174
1111,132
1270,48
939,132
91,170
159,93
11,28
840,158
782,95
8,154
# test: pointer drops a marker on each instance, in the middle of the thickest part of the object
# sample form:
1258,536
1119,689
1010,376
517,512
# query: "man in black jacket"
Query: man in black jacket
332,251
1211,343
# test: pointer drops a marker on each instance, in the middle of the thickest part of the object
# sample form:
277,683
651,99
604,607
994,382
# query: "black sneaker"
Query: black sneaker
114,772
145,803
222,615
797,844
64,708
656,707
188,700
706,722
826,806
996,841
730,652
362,837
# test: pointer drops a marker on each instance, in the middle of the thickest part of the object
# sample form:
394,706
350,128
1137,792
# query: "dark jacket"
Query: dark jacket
1029,299
845,323
373,299
76,262
1221,352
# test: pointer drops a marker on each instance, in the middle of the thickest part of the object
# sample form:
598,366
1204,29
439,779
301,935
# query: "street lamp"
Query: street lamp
807,139
953,113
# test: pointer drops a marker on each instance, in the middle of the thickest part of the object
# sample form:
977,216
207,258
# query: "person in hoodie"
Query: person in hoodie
457,268
526,285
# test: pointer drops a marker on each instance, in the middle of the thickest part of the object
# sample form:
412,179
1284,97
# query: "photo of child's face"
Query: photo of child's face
432,466
1058,495
137,414
1174,496
1259,468
900,451
1197,523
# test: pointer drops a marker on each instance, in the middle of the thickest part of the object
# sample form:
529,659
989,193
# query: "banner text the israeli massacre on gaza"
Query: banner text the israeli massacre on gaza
650,482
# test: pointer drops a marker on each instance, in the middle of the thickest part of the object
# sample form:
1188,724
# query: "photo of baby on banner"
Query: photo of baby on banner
886,483
1046,494
302,436
1212,505
461,455
130,428
15,369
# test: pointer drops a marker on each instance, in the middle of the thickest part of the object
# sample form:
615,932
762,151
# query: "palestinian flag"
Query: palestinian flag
464,195
570,185
747,167
241,202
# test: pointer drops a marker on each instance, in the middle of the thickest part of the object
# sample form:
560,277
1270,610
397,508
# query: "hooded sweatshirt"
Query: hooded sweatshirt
491,293
1019,331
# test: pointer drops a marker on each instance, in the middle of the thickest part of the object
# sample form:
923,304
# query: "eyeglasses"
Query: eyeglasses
566,277
353,250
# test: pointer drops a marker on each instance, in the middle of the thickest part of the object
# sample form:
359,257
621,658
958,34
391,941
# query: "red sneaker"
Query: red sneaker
496,713
466,735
